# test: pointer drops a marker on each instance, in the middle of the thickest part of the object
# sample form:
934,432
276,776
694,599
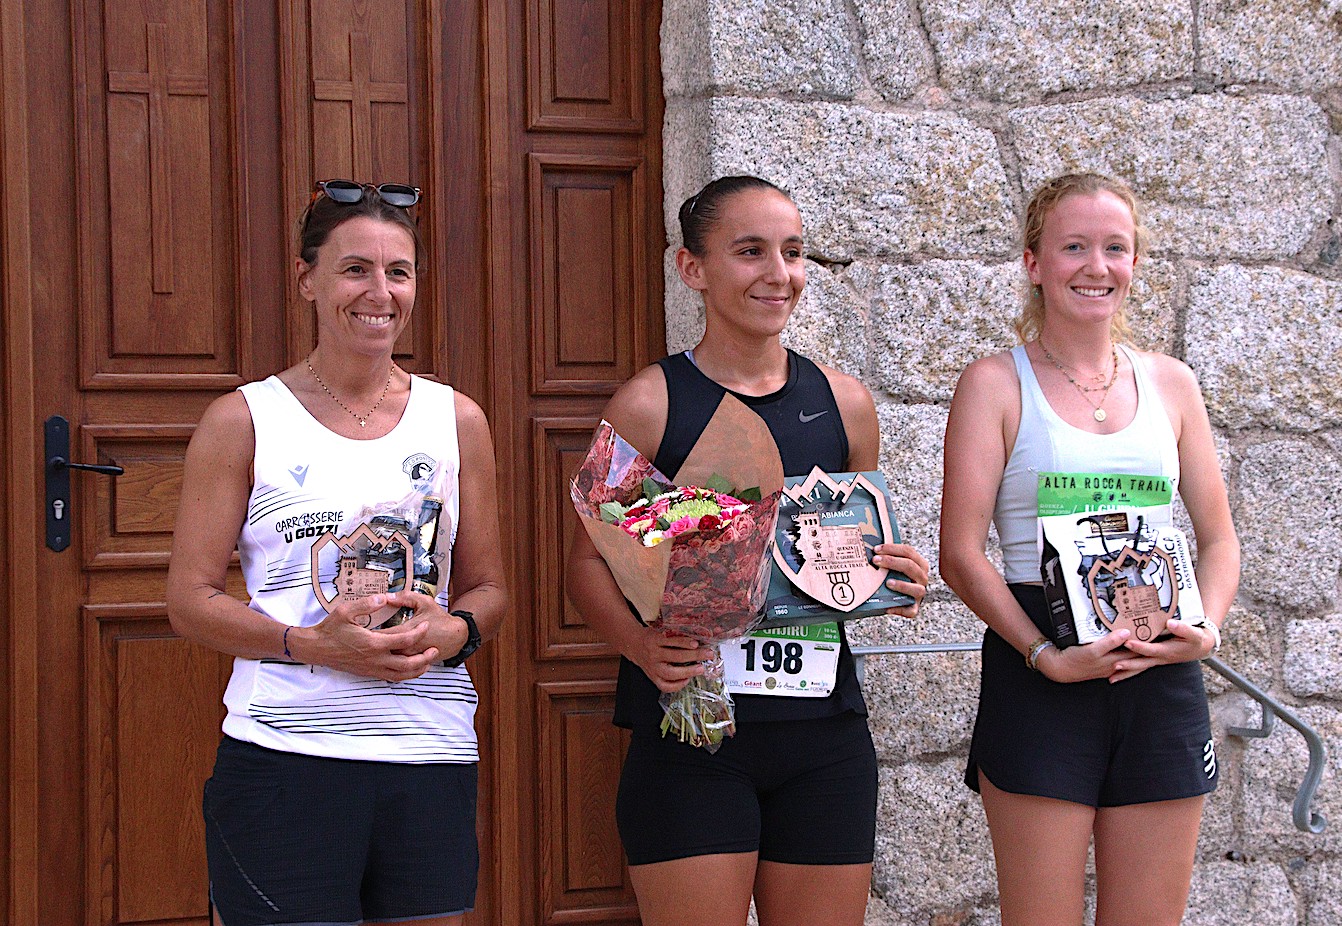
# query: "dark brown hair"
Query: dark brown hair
325,215
700,212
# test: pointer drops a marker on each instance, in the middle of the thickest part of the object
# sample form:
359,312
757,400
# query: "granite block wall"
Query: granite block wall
911,134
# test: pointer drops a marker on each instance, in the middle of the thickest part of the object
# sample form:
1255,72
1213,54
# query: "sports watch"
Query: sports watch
472,639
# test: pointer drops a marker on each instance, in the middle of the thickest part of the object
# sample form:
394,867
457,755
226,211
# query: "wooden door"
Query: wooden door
155,153
581,126
136,297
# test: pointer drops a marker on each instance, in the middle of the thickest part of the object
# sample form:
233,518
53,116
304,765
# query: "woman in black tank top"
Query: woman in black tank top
785,810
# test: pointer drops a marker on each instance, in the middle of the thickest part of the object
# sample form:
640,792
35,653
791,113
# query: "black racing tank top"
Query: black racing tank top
804,419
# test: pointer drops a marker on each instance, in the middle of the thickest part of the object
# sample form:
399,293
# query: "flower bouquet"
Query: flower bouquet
691,557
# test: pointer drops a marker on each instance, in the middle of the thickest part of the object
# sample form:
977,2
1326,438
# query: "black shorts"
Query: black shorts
801,792
302,839
1147,738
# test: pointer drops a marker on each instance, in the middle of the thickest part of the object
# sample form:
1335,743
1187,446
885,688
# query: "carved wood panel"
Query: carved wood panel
586,66
590,301
157,250
558,447
361,77
588,196
356,83
582,864
127,522
153,724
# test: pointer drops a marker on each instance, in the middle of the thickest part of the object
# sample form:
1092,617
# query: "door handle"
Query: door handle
58,509
105,469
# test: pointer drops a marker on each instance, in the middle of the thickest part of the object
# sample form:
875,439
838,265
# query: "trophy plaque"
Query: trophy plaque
373,560
828,525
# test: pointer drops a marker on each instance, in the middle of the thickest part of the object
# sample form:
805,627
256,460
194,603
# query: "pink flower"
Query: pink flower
682,525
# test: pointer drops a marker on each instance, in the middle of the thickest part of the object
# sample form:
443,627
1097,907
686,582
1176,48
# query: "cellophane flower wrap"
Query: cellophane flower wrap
703,575
385,547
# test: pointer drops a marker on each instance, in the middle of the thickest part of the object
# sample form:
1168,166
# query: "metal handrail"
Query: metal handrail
1305,820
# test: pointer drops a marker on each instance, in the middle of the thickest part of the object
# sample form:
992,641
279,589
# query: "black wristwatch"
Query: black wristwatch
472,639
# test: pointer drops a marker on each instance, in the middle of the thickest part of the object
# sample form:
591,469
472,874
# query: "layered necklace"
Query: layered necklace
362,419
1098,383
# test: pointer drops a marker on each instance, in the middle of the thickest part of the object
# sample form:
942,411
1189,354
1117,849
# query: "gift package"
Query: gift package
1111,558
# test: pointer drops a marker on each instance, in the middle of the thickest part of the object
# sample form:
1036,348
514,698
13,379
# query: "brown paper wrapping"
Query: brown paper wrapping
708,583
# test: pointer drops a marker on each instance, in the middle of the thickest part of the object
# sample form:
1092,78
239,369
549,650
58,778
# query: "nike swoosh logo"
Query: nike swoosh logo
807,419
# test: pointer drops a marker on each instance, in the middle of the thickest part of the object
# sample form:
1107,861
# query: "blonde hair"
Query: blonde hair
1031,317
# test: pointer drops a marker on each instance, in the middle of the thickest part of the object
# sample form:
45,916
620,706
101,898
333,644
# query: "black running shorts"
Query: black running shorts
302,839
801,792
1147,738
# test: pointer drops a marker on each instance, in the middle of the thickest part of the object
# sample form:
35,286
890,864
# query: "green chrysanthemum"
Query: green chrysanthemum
691,508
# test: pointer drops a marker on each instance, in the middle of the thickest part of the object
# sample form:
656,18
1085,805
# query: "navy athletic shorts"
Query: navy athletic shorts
1147,738
802,792
303,839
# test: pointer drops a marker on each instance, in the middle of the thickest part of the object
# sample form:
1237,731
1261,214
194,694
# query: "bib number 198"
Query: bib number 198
774,656
794,662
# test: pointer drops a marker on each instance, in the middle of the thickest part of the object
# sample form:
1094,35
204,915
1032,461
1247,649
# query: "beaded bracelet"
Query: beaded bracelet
1037,647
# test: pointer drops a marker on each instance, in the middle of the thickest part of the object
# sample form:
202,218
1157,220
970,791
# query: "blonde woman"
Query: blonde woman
1109,740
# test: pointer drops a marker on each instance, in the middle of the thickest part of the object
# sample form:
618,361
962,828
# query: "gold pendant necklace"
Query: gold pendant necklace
362,419
1099,413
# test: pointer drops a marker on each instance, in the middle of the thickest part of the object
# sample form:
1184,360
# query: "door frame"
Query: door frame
19,489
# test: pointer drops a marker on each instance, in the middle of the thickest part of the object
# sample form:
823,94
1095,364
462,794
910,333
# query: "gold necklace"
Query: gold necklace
362,419
1099,412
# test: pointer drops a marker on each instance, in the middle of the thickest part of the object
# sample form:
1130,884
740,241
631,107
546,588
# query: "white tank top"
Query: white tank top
306,480
1047,444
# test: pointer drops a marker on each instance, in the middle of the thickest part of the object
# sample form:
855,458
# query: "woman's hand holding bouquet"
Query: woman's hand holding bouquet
693,559
701,517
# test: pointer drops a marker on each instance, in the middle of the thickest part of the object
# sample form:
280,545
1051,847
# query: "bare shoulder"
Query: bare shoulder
860,422
849,391
222,449
1174,380
1168,372
471,418
990,378
225,429
637,411
230,410
644,393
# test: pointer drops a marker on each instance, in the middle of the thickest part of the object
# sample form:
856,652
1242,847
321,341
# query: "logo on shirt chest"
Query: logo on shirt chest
420,467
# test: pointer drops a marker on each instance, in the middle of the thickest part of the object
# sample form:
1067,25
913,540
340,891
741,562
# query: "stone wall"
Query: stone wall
911,135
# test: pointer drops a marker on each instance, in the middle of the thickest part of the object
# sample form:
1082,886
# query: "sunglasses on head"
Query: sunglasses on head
349,192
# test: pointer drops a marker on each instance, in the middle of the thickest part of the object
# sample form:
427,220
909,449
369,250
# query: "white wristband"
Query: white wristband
1216,636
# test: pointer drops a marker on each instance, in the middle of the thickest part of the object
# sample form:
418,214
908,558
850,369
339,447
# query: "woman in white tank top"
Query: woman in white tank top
319,705
1074,399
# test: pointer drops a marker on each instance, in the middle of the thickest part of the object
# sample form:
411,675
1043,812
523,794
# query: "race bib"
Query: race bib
790,662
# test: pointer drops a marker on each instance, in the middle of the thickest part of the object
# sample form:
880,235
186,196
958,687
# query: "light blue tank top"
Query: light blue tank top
1045,443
